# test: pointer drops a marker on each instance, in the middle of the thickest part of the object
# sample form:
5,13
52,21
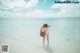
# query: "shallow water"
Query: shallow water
64,34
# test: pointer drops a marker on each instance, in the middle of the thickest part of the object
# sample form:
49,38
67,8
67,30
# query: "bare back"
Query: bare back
43,31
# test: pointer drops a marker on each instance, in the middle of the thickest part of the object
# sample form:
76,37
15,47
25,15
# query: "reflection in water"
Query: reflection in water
48,49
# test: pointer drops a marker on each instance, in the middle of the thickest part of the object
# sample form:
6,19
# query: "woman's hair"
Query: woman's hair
46,25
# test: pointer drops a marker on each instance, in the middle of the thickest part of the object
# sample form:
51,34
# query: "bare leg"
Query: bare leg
44,40
48,40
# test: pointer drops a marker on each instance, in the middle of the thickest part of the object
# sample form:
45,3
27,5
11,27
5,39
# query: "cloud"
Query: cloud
19,3
32,3
37,13
18,6
68,10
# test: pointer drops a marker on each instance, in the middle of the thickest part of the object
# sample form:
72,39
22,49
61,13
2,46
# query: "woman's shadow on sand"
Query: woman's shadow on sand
48,49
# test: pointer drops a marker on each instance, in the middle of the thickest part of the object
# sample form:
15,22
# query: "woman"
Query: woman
44,33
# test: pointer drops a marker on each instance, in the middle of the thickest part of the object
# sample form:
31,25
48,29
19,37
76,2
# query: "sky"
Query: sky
38,9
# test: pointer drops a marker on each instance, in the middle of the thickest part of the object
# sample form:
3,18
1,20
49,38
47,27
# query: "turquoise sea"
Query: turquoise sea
22,35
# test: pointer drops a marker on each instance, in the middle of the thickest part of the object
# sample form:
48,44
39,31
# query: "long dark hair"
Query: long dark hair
46,25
